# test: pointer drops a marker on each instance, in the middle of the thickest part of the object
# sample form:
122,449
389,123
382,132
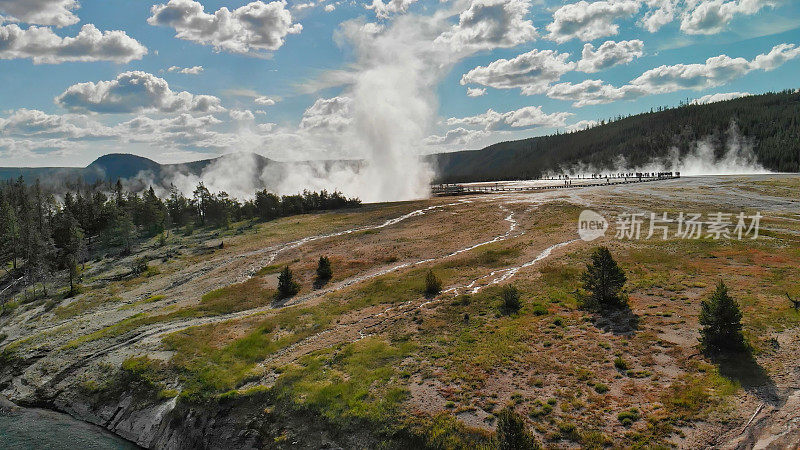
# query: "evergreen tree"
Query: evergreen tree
287,287
603,280
512,433
510,300
433,285
721,323
324,271
9,231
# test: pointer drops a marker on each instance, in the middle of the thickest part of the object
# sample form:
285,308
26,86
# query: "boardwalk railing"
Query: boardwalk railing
460,189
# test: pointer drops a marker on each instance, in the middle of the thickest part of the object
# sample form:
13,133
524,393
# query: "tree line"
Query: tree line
41,234
770,122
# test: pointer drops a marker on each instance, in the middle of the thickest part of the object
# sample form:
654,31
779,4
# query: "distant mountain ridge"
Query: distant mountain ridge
114,166
770,122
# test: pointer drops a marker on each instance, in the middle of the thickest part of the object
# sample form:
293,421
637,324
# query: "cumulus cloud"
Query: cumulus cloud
589,21
40,12
457,136
715,71
242,115
329,8
476,92
383,10
264,100
527,117
43,46
609,54
182,131
721,97
532,72
35,123
196,70
488,24
328,114
712,16
255,28
661,12
133,92
582,125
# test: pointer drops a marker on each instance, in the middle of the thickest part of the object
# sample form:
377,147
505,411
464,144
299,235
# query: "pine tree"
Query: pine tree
721,323
287,287
603,280
433,285
9,231
324,271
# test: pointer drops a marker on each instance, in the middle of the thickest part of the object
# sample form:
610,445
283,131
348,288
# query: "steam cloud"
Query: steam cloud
391,87
736,158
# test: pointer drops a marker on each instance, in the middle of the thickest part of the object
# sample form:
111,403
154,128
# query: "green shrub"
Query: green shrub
540,310
600,388
620,363
628,417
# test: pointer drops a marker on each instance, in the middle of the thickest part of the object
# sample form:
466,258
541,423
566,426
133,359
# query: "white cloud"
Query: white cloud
476,92
251,29
589,21
328,114
383,10
134,92
181,131
721,97
196,70
712,16
716,71
35,123
264,100
488,24
661,13
609,54
242,115
457,136
302,6
527,117
582,125
592,92
40,12
43,46
329,8
532,72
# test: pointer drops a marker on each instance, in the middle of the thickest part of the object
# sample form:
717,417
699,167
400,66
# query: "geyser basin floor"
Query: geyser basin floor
369,349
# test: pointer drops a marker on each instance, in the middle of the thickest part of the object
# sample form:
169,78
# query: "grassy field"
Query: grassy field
371,353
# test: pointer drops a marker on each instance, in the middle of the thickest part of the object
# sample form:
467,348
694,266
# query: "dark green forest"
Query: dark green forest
770,122
41,235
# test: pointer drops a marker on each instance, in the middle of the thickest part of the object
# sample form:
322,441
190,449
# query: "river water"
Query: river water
28,428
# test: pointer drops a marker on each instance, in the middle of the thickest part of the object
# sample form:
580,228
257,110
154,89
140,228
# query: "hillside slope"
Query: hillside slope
771,122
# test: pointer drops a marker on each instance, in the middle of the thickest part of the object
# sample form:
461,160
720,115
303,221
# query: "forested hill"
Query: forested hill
771,121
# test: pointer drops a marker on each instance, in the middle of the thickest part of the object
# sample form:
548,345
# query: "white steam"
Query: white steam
736,158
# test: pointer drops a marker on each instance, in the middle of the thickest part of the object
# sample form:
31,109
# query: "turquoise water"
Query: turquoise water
26,429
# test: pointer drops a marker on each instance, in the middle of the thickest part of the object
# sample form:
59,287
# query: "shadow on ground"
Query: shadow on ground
619,322
744,369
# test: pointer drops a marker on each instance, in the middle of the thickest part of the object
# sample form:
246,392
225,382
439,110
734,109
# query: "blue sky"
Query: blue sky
334,79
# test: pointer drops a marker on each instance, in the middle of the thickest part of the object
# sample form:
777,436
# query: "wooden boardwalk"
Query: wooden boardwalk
460,189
